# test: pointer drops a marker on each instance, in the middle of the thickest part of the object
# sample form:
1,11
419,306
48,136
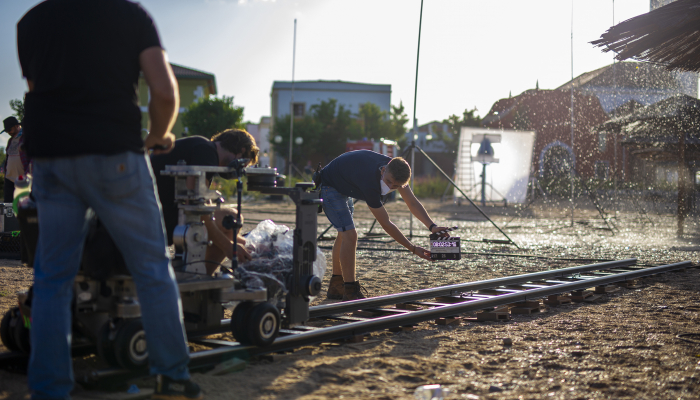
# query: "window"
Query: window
601,170
602,141
299,109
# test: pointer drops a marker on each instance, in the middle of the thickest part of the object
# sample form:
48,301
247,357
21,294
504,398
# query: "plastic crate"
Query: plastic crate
10,245
29,226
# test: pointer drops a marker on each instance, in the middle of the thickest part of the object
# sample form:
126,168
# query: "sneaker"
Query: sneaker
335,288
353,291
170,389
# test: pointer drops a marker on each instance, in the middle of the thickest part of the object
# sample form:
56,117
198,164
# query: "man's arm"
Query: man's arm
383,218
220,240
418,210
165,100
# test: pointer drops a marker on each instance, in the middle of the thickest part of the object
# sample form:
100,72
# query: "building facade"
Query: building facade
619,83
261,133
609,92
193,85
427,139
351,95
307,93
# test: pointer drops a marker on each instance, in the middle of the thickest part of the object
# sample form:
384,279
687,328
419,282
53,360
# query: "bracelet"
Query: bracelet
431,227
414,249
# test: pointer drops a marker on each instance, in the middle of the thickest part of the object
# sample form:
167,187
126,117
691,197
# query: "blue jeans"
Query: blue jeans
338,208
120,190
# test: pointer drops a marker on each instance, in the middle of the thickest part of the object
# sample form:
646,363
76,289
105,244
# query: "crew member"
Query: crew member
365,175
221,150
16,163
82,59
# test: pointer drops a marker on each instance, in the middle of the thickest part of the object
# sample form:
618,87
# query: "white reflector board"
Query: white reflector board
509,178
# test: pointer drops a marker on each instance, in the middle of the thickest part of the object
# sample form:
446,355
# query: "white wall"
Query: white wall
261,133
351,95
509,177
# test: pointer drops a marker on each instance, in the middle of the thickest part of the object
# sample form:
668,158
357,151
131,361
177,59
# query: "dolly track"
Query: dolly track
515,289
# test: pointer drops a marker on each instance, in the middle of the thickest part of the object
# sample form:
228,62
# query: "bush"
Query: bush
228,187
431,186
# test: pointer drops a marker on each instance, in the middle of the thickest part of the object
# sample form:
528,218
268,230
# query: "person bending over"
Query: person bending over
220,151
364,175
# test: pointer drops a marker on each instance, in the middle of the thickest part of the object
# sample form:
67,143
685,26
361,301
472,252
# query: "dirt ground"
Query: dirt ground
621,346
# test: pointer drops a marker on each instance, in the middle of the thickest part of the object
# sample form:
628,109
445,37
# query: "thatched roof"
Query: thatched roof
669,35
660,122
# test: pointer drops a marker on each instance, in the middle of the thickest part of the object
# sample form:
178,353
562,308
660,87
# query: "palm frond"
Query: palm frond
669,35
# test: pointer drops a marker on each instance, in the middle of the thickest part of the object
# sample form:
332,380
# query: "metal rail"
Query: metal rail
567,280
502,291
212,357
379,301
319,311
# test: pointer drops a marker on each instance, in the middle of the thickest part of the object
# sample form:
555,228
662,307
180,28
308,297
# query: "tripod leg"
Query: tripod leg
463,194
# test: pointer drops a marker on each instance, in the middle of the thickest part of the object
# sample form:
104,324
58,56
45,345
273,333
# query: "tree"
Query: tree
336,126
306,128
211,115
469,118
18,107
328,126
398,122
376,124
324,130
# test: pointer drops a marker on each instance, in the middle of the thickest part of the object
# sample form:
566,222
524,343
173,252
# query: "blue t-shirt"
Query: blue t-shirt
356,174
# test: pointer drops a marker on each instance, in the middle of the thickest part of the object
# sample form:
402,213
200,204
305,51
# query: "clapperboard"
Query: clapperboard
445,248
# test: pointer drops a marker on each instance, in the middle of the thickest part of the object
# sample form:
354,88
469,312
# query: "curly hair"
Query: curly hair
399,169
238,141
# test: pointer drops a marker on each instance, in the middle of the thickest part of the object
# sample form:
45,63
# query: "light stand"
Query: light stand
229,222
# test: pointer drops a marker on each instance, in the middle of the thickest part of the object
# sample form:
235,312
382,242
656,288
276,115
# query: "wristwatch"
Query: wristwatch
431,227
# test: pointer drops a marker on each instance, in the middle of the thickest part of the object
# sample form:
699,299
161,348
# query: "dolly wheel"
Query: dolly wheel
7,334
239,322
263,324
130,345
105,345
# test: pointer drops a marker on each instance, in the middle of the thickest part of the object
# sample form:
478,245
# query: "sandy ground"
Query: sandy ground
623,345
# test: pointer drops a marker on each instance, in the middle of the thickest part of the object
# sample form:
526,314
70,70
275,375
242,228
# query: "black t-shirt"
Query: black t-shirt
194,150
356,174
83,57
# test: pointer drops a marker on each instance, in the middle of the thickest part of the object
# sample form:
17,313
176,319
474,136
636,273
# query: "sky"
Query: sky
472,52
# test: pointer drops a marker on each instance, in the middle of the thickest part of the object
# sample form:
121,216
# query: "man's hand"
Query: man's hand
160,145
422,253
440,228
242,253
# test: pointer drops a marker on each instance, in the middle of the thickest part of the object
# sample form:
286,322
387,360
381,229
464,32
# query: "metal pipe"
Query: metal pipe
291,106
415,122
573,154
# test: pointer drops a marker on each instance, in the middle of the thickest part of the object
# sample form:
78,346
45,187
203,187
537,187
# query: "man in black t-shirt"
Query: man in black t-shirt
220,151
364,175
82,122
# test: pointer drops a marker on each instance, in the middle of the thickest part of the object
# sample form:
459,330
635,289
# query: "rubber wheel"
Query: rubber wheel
21,335
7,334
239,322
263,324
130,345
105,346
